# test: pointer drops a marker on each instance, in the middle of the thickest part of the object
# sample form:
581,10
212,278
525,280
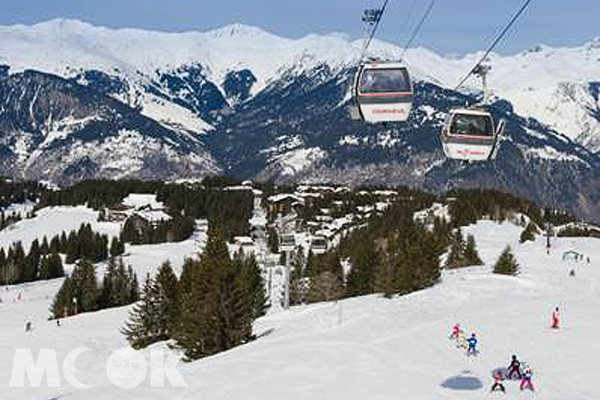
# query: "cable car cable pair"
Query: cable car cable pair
383,90
470,134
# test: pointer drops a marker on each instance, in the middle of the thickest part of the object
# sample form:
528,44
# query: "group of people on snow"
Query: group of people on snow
516,370
469,344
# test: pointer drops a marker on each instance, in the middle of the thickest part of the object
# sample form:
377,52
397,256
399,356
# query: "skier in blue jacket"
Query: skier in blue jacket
472,341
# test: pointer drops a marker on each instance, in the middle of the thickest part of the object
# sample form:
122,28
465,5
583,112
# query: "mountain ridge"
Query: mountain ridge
262,107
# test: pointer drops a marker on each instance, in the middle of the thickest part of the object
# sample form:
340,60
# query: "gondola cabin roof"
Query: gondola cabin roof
472,111
384,65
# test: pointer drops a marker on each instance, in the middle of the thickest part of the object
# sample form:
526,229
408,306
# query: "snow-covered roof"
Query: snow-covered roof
153,215
258,221
237,187
243,240
285,196
328,233
381,206
139,200
342,189
387,193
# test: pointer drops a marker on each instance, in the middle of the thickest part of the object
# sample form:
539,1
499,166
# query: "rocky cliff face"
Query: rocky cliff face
53,128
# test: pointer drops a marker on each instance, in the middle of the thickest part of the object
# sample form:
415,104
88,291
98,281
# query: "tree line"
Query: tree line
43,261
7,220
137,231
392,254
81,292
226,210
229,211
466,206
17,192
208,309
39,263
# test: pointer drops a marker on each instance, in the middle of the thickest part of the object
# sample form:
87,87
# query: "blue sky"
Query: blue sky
455,27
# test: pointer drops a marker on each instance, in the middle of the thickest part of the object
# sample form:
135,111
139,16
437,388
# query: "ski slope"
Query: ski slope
52,221
366,347
145,259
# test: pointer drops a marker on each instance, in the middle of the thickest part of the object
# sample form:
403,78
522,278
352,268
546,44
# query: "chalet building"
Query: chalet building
244,245
284,203
145,219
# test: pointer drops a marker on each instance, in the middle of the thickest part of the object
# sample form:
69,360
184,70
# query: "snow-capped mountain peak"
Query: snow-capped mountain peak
239,30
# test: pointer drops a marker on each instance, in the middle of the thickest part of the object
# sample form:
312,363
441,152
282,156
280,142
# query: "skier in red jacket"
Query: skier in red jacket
455,331
555,319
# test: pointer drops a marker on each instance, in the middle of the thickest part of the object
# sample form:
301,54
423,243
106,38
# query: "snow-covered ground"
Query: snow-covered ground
52,221
366,347
137,200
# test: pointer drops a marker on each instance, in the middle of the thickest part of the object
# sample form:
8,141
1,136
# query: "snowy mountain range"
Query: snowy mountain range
80,101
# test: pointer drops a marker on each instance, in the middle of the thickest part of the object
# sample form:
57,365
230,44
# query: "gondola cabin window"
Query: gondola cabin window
374,81
472,125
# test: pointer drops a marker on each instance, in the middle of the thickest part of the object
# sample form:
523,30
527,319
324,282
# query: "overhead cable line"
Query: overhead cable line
411,10
373,17
418,28
491,48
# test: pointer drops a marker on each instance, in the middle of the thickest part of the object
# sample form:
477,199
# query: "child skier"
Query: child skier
455,331
526,380
498,378
472,350
555,319
514,368
461,342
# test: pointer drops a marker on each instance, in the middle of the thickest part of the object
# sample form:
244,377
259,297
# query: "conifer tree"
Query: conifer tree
63,243
17,260
365,262
141,328
55,244
63,306
3,267
55,265
167,301
506,263
325,286
45,247
115,247
529,233
44,272
471,256
456,257
32,262
85,288
108,296
254,287
134,287
216,313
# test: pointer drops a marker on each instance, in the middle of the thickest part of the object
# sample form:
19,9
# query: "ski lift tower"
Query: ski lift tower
370,19
482,70
287,245
548,235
